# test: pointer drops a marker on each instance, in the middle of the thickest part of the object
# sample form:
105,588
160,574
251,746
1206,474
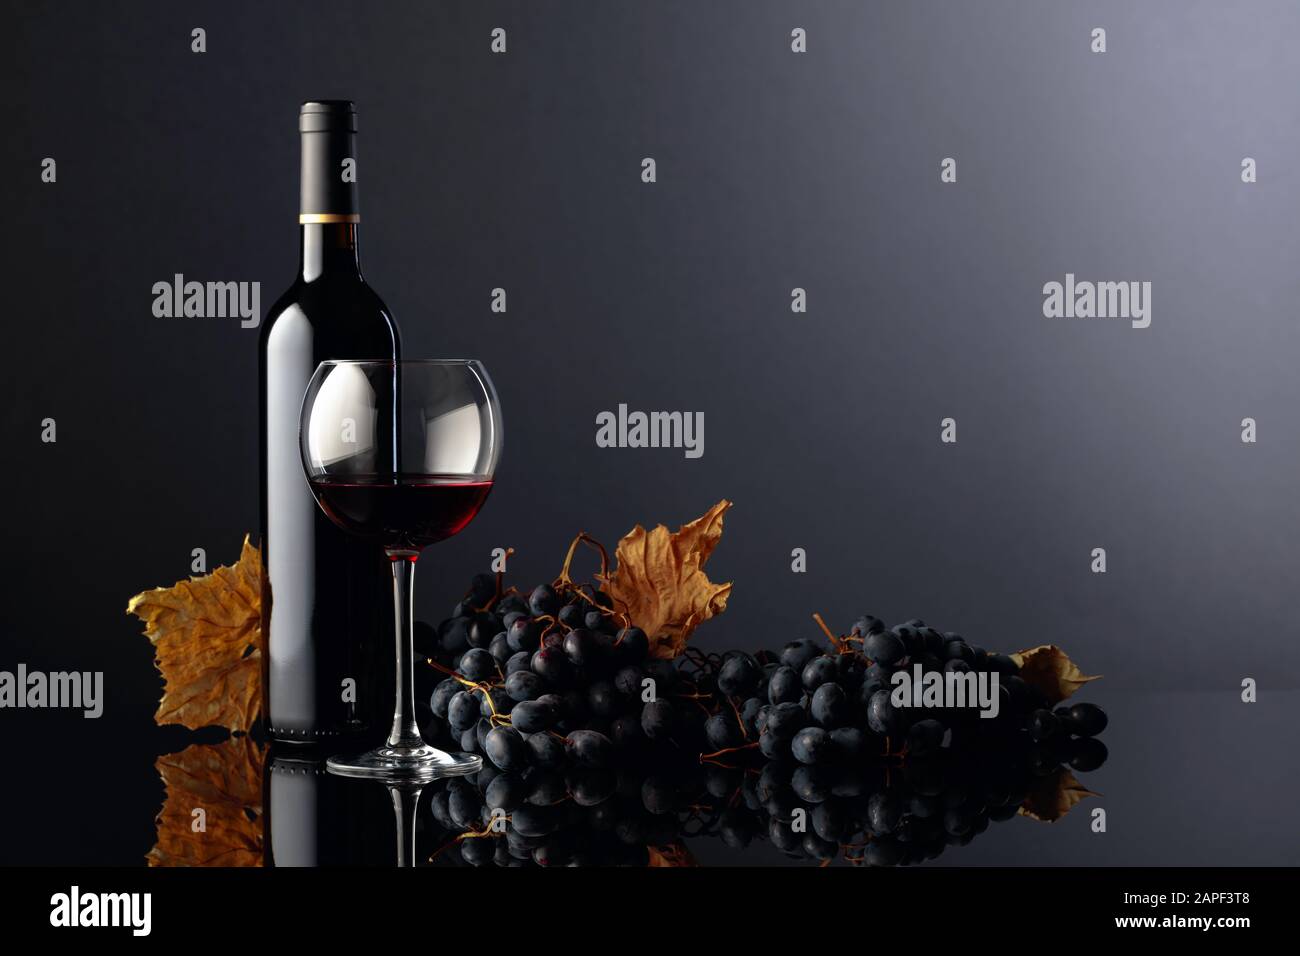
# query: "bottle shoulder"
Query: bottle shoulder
347,302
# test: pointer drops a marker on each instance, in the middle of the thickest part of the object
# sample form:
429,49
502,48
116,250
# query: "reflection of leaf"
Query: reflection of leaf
1054,796
660,583
207,638
225,781
1050,669
674,854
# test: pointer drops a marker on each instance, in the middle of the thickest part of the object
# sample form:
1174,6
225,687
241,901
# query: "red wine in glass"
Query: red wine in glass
407,512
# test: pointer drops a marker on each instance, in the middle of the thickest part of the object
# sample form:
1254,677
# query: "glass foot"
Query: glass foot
412,764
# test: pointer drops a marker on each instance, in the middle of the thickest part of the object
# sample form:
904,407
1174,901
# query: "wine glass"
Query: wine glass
401,453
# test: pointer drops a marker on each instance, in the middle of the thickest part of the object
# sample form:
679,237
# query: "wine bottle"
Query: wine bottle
327,612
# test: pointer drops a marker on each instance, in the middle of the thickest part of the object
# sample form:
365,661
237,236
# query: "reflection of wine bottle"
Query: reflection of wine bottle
326,596
314,818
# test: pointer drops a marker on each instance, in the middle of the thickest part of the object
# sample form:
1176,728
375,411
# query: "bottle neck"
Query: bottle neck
328,210
329,248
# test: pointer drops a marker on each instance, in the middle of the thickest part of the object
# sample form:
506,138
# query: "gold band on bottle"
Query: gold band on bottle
306,217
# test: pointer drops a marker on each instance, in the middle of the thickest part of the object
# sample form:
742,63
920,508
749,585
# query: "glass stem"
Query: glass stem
405,802
405,733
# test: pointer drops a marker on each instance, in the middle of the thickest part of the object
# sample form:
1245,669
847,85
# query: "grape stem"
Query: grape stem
708,758
501,579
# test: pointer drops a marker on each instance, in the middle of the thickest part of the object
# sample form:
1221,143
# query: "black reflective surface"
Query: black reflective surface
1180,787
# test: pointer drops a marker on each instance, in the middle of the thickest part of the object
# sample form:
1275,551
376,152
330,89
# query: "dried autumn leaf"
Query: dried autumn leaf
674,854
1054,797
207,639
1050,669
660,583
225,782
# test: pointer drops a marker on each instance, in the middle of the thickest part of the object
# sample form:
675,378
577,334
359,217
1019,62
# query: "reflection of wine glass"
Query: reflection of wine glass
401,453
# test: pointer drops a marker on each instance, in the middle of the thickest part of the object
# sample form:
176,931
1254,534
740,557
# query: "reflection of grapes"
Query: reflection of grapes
885,813
594,750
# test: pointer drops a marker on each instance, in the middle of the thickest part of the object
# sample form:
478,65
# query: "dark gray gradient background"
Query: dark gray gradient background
775,170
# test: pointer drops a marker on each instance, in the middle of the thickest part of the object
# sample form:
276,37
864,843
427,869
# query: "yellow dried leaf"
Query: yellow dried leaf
224,781
207,640
660,583
1050,669
1054,796
674,854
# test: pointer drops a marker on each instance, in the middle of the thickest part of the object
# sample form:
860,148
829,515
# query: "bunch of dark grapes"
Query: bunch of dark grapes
570,711
818,707
553,680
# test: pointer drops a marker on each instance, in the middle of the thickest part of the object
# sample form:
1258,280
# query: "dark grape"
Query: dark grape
924,737
477,664
603,699
749,715
483,628
884,647
865,625
849,742
773,747
580,646
883,813
494,701
552,665
628,680
812,745
1089,754
722,731
957,650
811,784
830,822
818,671
543,601
572,615
547,751
532,717
462,711
632,645
626,733
524,685
739,676
524,635
442,695
830,705
797,654
882,717
506,792
784,720
500,648
534,821
481,730
1088,719
511,602
589,748
785,686
816,848
1043,724
658,719
453,635
464,807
